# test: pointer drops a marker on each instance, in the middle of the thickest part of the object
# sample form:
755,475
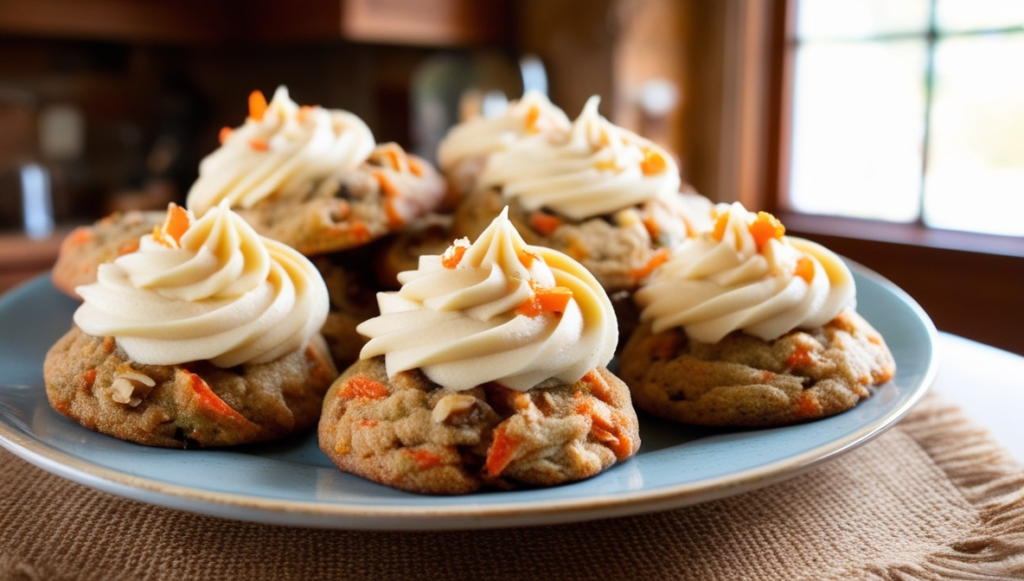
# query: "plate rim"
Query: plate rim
325,514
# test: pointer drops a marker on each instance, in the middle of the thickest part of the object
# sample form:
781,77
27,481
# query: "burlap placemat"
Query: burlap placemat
933,498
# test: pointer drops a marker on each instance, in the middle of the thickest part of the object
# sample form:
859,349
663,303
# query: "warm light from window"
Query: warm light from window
910,110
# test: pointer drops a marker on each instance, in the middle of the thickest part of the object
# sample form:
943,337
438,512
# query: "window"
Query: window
910,111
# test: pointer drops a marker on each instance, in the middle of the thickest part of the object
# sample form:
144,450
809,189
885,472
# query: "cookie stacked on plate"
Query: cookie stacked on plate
486,365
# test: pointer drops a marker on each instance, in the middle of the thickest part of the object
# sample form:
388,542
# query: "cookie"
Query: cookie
744,381
92,381
86,247
352,292
619,255
412,434
401,251
351,208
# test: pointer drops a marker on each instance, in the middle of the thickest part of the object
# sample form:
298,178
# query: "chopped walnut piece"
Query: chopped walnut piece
452,404
129,387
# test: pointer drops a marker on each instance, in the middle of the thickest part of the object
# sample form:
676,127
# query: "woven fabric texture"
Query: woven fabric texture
933,498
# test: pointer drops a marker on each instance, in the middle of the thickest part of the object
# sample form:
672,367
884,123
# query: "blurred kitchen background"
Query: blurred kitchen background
891,130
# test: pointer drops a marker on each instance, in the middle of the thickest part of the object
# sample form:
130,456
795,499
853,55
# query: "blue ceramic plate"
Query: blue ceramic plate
293,483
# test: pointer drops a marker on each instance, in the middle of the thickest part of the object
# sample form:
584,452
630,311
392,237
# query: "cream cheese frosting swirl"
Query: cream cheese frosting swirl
208,289
481,136
281,148
495,310
594,168
747,275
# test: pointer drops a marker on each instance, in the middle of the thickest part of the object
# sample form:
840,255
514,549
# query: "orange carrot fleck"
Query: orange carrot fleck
210,400
177,222
174,227
363,387
257,105
653,162
808,405
875,339
79,236
544,223
660,257
453,256
764,228
259,144
128,248
359,230
225,132
501,452
395,157
89,377
799,358
367,423
598,386
605,165
664,346
545,300
532,117
651,225
303,113
721,221
415,167
805,269
424,459
526,257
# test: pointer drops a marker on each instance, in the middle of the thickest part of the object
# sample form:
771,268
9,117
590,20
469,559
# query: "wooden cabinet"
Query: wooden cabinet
212,22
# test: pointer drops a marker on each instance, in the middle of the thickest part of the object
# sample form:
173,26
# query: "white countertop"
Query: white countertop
988,383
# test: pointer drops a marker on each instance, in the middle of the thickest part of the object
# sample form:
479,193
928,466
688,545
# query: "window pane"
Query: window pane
975,172
963,15
858,123
833,19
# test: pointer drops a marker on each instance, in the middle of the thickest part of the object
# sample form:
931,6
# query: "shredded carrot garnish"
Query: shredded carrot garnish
501,452
544,223
532,117
394,156
805,269
764,228
526,257
721,222
174,227
259,144
453,256
652,227
363,387
89,377
225,132
257,105
423,459
653,162
660,257
415,167
545,300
